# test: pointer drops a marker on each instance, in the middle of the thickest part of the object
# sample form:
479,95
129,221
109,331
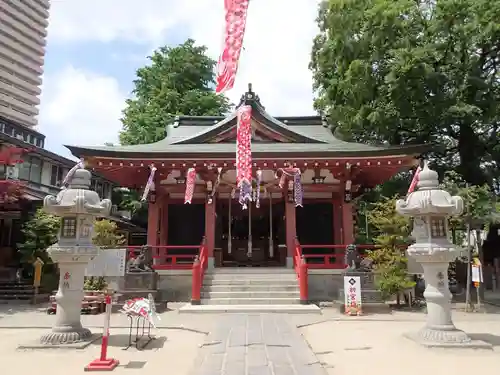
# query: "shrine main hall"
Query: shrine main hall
303,186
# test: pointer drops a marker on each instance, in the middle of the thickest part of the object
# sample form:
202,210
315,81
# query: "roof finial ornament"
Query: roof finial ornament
250,87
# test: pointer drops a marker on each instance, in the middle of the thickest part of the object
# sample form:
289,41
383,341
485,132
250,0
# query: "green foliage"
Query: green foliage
479,200
105,234
389,261
95,283
39,233
179,81
408,72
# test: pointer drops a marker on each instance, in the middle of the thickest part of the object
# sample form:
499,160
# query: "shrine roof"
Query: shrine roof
272,136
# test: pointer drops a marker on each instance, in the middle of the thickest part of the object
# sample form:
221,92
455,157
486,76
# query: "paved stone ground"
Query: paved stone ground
249,344
377,347
256,344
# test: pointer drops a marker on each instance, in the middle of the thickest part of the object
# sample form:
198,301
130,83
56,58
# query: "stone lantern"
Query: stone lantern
78,207
430,208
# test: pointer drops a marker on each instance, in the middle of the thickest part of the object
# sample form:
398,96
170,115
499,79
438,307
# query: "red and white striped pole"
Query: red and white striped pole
103,363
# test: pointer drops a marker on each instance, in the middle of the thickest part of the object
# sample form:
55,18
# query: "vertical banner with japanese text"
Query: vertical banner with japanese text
352,295
234,31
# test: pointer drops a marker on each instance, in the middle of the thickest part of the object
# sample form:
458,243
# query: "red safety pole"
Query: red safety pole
303,285
196,283
103,363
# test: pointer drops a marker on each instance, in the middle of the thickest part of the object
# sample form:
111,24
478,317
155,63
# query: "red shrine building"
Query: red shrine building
331,174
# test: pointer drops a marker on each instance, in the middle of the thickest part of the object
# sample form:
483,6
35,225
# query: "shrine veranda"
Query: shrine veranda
268,233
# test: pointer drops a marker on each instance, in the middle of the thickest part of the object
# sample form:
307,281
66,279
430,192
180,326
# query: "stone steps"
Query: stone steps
249,309
251,294
242,287
16,291
250,282
250,301
250,287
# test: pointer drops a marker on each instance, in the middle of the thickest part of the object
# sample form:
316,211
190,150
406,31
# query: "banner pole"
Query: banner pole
103,363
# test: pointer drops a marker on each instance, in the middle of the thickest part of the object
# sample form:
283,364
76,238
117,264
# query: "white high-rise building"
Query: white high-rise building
23,31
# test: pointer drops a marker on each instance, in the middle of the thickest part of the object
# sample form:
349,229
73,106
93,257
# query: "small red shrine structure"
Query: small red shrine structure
333,173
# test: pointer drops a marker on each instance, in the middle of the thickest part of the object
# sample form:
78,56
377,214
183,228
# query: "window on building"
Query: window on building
68,227
8,130
5,232
105,190
99,188
56,175
3,172
39,143
24,169
31,169
36,170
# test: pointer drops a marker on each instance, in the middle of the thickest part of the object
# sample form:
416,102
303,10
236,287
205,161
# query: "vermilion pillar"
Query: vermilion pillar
164,221
291,231
153,223
347,224
210,230
337,221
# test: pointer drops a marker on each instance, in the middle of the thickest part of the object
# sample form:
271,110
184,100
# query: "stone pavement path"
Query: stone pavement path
256,344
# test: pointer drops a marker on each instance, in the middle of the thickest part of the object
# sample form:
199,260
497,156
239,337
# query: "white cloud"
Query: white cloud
80,108
277,44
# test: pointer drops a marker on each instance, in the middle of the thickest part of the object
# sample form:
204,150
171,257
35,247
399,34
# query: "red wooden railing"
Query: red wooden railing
162,260
300,266
334,259
199,267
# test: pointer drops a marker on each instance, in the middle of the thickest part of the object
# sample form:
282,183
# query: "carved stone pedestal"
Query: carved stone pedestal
145,280
68,327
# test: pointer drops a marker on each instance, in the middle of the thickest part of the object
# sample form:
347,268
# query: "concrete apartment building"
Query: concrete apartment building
23,32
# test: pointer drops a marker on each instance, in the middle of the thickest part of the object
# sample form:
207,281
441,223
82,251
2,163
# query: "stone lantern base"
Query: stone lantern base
439,331
71,336
453,338
68,328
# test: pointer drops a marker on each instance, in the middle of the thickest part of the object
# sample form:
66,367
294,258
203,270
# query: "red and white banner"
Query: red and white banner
414,181
244,154
227,66
190,183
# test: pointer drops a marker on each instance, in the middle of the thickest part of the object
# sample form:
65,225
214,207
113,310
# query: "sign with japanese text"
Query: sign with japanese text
477,272
352,295
109,262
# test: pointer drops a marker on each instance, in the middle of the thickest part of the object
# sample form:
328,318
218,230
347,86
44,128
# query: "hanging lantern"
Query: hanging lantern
152,196
347,191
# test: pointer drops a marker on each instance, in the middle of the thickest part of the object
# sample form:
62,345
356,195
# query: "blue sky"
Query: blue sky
94,48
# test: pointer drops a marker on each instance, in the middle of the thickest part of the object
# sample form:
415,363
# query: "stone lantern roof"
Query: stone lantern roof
77,198
429,199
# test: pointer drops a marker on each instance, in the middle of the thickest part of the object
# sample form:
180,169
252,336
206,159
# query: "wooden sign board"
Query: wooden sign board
109,262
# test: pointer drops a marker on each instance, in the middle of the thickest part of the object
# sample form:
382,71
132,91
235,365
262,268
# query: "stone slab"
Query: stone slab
74,346
473,344
256,344
289,309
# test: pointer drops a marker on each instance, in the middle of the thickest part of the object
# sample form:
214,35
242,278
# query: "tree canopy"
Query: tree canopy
414,71
179,81
39,233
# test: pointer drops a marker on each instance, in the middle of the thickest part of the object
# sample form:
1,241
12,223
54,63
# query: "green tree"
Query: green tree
479,212
106,234
40,232
389,260
179,81
405,71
